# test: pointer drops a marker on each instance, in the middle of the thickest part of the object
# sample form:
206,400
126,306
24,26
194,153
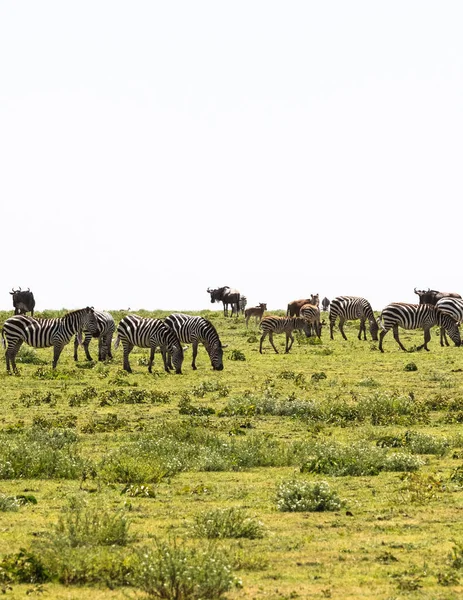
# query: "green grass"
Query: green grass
332,471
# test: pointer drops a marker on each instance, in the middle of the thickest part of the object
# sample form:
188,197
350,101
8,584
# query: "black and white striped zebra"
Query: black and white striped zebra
414,316
352,308
274,324
43,333
105,328
149,333
454,308
311,314
193,330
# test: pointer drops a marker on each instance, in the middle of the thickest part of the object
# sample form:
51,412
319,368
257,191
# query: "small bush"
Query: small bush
8,503
411,366
23,567
173,572
28,356
227,523
186,408
210,386
304,496
237,355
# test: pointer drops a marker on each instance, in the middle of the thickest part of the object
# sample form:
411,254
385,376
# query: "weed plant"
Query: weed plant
227,523
296,495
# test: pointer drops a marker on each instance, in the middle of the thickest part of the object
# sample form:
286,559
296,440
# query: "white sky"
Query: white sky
151,149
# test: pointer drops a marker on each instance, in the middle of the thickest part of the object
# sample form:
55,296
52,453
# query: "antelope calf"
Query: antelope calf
255,311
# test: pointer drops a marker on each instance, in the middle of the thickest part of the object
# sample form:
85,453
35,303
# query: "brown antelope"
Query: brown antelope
256,311
294,307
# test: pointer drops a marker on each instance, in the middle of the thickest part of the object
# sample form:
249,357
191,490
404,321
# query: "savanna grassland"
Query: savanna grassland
334,471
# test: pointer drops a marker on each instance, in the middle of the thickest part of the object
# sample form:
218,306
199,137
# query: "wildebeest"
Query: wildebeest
433,296
23,301
255,311
294,307
227,296
325,304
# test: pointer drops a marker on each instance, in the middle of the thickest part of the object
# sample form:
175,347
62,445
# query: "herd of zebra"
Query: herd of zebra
169,334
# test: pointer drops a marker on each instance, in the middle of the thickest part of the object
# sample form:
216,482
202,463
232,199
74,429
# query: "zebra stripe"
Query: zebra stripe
352,308
414,316
149,333
273,324
452,307
311,314
104,331
43,333
193,330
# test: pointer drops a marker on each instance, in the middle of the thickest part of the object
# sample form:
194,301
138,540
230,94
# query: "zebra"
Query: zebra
149,333
413,316
104,332
243,303
353,308
273,324
453,307
311,314
43,333
195,329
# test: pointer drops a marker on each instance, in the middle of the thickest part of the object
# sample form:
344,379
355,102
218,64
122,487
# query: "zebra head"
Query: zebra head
451,327
177,358
374,327
215,351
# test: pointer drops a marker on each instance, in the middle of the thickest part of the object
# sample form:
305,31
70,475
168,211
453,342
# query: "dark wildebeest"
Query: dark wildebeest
23,302
294,307
433,296
227,296
325,304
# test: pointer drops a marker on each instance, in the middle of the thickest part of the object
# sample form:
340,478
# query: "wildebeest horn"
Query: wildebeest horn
415,291
19,288
28,289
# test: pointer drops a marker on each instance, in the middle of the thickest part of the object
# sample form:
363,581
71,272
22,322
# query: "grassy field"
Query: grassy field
334,471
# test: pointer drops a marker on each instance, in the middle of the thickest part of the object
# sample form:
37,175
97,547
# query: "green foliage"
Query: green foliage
210,386
28,356
416,442
227,523
38,398
295,495
8,503
185,407
237,355
23,567
411,366
172,571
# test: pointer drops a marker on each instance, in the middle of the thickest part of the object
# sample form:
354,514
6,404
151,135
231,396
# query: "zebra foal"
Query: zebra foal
104,331
193,330
414,316
43,333
353,308
274,324
149,333
452,307
311,314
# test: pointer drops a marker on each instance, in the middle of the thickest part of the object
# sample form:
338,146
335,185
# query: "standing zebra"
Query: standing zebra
413,316
273,324
311,314
193,330
104,331
353,308
149,333
243,303
43,333
452,307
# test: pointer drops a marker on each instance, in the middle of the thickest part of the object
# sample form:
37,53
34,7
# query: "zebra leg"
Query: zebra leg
10,356
270,337
76,346
164,355
362,329
195,354
443,337
341,327
128,347
395,331
151,360
427,337
332,322
86,345
262,338
381,338
289,336
109,341
57,349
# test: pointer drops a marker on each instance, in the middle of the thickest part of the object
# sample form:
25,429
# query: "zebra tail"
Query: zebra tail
3,339
116,343
380,322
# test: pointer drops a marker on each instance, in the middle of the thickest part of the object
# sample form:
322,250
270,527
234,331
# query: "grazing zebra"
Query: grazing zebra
193,330
353,308
311,314
453,307
43,333
413,316
149,333
255,311
273,324
104,332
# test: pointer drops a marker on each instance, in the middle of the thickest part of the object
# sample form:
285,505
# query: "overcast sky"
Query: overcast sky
152,149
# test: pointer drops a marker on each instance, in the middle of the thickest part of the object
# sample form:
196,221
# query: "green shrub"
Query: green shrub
210,386
174,572
28,356
227,523
237,355
304,496
8,503
411,366
23,567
